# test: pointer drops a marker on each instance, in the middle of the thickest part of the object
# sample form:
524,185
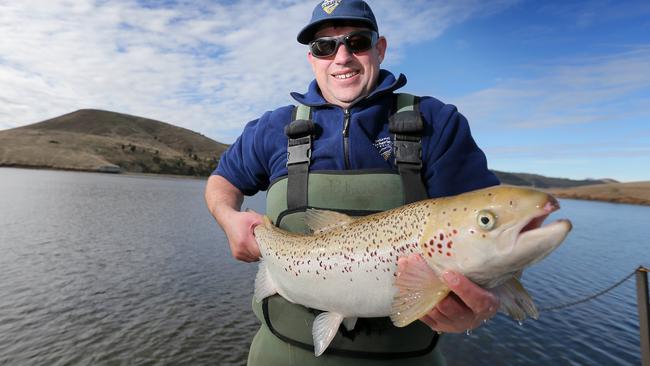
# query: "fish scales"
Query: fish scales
361,255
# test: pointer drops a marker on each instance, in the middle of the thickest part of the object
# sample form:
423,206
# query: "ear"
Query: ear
382,44
312,61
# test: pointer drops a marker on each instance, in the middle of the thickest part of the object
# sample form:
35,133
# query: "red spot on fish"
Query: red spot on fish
449,244
442,237
455,232
448,254
429,254
439,245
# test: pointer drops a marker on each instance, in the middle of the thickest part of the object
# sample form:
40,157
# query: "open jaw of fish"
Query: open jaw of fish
390,264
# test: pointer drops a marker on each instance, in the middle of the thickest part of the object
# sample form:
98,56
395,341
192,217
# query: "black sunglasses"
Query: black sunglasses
357,41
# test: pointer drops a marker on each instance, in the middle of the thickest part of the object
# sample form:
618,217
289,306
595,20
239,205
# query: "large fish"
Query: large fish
349,267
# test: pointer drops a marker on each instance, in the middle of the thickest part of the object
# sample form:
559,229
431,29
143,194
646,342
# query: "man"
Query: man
338,153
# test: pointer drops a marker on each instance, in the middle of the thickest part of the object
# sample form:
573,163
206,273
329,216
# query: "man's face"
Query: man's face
345,77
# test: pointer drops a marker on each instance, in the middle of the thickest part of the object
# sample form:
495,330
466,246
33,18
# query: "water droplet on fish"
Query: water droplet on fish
468,332
520,322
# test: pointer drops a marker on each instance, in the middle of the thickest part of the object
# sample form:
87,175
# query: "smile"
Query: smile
347,75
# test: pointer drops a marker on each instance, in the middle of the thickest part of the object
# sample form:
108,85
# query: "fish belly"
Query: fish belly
352,281
363,294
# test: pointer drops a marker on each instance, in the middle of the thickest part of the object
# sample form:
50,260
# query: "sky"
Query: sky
558,88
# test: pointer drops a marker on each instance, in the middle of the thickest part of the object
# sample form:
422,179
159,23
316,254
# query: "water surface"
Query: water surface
113,269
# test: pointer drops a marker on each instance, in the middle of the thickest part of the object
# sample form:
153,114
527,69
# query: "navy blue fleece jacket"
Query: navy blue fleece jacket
452,162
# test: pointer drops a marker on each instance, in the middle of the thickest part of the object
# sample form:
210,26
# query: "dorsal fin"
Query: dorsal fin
320,221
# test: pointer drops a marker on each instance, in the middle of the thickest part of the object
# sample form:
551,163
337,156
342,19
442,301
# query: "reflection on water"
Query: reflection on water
112,269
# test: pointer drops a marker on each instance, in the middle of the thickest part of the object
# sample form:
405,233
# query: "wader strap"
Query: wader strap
299,132
407,126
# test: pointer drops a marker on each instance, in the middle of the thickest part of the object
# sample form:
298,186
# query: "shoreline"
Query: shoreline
623,201
633,193
122,173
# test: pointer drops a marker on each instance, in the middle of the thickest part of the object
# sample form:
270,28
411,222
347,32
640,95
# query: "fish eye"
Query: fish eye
486,220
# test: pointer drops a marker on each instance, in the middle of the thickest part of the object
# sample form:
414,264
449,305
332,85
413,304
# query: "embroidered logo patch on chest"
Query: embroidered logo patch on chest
329,5
385,147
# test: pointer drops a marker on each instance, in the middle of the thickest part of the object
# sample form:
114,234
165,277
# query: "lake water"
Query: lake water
132,270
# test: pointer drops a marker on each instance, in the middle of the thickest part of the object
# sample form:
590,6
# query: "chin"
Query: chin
347,97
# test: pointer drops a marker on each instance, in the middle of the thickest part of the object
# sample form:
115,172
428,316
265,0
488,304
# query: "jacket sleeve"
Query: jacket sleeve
452,162
245,164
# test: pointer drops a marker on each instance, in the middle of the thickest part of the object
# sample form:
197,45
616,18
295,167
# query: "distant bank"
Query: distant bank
637,193
110,142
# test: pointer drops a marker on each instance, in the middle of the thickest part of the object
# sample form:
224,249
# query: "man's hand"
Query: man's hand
239,230
224,202
465,308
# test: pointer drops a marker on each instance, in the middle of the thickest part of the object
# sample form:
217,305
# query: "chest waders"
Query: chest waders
374,341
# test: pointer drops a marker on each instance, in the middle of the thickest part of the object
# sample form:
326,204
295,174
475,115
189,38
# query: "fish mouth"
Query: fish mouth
537,221
535,241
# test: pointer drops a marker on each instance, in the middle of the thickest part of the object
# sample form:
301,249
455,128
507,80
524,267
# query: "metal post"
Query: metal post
644,313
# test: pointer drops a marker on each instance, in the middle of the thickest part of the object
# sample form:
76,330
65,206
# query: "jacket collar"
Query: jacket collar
386,84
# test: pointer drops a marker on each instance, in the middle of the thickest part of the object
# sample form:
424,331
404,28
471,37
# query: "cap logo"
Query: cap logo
329,5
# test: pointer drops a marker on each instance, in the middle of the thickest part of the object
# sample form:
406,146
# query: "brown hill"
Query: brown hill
96,140
634,192
540,181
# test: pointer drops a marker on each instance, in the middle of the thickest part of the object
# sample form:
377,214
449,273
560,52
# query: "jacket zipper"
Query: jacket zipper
346,139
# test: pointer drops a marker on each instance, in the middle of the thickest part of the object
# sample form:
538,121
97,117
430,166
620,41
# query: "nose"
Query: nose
342,54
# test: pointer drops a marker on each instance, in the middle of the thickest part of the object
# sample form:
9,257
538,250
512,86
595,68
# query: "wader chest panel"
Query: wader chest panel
356,193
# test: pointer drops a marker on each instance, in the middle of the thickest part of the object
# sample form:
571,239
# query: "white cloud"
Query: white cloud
205,66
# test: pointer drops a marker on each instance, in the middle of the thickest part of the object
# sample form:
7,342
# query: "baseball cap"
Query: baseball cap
337,10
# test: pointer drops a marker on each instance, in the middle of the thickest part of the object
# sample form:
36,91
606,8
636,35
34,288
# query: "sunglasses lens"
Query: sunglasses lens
323,47
359,42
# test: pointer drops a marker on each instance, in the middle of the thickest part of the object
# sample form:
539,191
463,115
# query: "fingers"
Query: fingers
246,250
465,308
241,237
481,302
452,307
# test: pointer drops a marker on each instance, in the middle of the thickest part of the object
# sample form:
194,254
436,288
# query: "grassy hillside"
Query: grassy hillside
635,192
96,140
539,181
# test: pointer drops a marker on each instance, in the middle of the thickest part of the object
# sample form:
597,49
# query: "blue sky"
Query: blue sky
559,88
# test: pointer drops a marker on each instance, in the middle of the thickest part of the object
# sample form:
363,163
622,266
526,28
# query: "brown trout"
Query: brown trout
348,267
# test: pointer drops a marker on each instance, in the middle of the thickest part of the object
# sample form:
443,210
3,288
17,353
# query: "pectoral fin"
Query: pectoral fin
419,290
264,285
325,327
515,300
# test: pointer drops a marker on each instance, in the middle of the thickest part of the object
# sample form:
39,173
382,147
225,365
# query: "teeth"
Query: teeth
346,76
